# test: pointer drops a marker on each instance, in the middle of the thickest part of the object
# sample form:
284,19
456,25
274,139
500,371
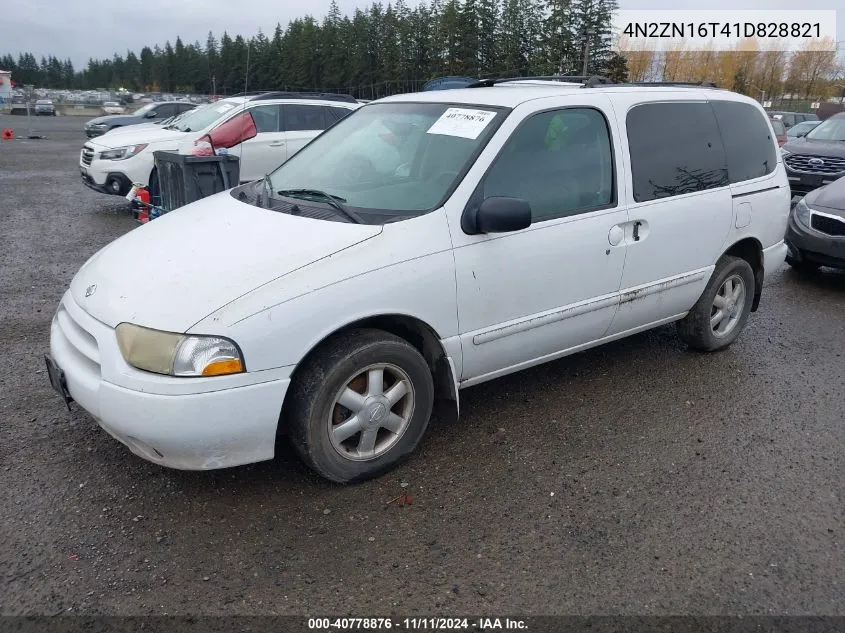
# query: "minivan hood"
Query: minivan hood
176,270
819,148
133,136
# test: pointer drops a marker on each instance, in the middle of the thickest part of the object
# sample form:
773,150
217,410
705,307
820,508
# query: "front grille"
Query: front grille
82,341
828,225
809,164
87,155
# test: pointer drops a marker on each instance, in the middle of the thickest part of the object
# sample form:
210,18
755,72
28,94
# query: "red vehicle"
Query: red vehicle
780,131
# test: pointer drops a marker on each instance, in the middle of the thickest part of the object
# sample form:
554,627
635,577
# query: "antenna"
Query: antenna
246,85
246,78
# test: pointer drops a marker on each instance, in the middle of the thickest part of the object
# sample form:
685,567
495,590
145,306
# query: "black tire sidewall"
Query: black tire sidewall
313,442
695,328
739,267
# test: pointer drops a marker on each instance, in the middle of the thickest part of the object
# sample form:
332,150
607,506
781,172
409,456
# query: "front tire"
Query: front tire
154,189
360,405
720,314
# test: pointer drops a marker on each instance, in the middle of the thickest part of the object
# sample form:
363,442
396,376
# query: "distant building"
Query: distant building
5,88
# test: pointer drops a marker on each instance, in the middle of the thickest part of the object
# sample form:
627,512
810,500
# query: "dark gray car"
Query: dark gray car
149,113
815,235
818,158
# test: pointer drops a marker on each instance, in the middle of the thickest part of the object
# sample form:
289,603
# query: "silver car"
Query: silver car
45,106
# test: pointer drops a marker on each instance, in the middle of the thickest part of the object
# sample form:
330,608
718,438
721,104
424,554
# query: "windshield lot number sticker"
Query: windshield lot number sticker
462,122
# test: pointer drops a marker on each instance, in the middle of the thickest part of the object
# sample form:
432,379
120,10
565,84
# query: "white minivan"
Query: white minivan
425,243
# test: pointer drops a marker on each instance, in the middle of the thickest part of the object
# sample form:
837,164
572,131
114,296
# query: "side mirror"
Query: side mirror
151,115
497,215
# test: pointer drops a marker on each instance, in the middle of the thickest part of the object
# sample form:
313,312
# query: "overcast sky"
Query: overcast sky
81,29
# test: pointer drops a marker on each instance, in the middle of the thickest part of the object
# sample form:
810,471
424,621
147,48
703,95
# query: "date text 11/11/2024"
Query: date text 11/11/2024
416,624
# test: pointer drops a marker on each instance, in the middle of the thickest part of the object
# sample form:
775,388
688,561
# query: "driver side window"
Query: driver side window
560,162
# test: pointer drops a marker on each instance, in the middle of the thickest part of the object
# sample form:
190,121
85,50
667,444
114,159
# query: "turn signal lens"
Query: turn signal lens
223,367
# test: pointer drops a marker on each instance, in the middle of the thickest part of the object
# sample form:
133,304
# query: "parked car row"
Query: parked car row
792,118
263,131
400,251
147,114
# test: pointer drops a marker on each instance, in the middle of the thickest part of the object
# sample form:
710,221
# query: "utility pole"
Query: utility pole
588,35
213,85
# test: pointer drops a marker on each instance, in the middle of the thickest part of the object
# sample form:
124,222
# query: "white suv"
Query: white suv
262,130
424,244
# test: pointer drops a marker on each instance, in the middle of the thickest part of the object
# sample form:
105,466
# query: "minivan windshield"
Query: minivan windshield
830,130
201,117
391,158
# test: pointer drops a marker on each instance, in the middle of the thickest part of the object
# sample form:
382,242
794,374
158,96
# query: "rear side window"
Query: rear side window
747,139
675,149
266,118
304,117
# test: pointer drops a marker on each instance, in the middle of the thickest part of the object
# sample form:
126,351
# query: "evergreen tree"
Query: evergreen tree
489,29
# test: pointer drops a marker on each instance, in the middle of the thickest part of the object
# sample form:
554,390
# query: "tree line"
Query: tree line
813,72
382,46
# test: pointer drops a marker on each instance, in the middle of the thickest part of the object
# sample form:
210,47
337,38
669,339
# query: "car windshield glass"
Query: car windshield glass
203,116
830,130
144,109
395,158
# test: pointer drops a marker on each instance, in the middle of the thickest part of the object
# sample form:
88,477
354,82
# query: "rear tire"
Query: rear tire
359,406
720,314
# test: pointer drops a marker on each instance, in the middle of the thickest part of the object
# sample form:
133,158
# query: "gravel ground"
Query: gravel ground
638,478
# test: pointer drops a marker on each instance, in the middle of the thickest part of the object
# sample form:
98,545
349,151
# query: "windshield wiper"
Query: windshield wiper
333,201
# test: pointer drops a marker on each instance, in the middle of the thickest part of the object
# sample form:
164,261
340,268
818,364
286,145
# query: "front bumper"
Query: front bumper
93,133
116,184
802,183
188,424
805,244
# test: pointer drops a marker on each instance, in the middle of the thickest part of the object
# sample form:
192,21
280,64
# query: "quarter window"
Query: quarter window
675,149
748,142
561,162
334,115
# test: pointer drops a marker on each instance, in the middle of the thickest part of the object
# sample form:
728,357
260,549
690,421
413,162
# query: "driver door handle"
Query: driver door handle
277,144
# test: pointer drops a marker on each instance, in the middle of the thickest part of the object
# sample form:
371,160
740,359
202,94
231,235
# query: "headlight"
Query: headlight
122,153
100,126
178,354
802,213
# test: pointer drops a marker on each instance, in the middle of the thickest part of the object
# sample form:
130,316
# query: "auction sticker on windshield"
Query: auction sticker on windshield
462,122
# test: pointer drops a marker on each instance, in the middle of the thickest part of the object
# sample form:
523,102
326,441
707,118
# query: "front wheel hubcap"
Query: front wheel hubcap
728,305
371,412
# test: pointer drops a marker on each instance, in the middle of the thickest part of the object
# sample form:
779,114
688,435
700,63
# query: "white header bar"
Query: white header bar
719,30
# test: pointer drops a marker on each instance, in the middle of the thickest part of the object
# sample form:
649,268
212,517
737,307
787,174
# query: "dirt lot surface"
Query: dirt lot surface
635,478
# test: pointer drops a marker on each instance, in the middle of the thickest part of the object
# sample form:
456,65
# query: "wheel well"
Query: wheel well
417,333
751,251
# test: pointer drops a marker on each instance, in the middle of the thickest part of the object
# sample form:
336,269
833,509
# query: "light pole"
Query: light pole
762,92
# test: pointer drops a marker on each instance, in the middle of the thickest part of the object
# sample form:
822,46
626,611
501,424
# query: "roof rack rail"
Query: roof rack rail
323,96
680,84
587,80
